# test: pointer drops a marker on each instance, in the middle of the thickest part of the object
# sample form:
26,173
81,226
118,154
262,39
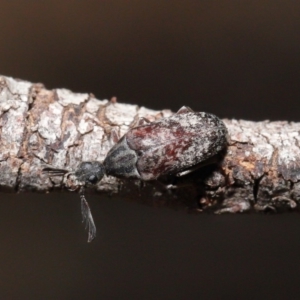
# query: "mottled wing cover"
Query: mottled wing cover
177,143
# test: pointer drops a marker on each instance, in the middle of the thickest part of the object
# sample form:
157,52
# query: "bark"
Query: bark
260,169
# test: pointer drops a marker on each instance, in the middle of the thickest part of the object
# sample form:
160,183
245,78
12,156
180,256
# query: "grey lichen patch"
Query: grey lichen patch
67,97
93,105
59,158
70,134
12,89
31,177
91,145
13,126
147,113
121,114
9,172
86,123
49,126
13,112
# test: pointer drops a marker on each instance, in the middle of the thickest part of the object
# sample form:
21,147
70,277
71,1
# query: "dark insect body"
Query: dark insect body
166,147
170,146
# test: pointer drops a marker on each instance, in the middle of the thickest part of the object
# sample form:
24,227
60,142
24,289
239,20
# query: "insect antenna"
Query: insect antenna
87,217
55,172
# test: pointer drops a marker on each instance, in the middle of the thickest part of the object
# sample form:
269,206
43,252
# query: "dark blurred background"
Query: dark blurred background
237,59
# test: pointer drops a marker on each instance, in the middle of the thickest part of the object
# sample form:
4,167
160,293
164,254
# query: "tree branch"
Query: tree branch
58,128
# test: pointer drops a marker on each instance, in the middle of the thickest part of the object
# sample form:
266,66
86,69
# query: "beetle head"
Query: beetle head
90,172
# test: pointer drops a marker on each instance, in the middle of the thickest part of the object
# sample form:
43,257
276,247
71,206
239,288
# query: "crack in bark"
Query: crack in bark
256,186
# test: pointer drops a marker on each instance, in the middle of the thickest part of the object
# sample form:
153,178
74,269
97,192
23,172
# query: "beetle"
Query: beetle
175,145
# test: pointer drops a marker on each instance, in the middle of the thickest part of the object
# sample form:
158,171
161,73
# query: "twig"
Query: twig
58,128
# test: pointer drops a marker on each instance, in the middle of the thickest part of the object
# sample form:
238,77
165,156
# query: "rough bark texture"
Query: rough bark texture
260,169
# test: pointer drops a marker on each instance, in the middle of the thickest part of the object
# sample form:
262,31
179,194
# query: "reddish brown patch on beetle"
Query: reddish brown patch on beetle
176,143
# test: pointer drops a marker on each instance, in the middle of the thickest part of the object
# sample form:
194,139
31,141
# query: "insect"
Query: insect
176,145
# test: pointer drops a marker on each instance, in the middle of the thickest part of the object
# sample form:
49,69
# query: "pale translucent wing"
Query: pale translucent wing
87,217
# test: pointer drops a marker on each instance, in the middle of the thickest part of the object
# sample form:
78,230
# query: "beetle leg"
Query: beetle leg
184,110
55,172
178,186
183,173
193,168
171,187
202,164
